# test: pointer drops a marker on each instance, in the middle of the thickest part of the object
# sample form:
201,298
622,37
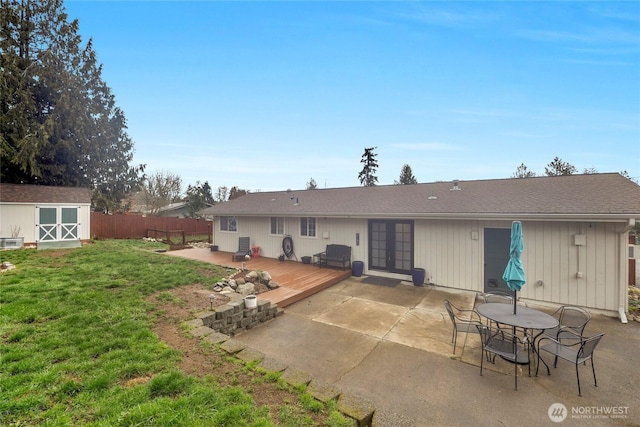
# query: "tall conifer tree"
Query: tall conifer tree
60,124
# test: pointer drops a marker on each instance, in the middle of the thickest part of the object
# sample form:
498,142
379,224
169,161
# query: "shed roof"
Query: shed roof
598,196
26,193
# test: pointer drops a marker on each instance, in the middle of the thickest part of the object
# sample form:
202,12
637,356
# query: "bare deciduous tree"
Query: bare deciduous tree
160,189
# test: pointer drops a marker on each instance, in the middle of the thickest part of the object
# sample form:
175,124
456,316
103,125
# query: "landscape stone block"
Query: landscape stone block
296,377
357,408
323,391
233,346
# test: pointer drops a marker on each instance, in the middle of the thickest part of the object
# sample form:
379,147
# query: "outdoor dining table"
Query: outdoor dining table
525,318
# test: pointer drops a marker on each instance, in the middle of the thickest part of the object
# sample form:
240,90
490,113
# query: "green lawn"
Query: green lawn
75,329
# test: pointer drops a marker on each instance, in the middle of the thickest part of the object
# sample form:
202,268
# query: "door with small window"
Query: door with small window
57,223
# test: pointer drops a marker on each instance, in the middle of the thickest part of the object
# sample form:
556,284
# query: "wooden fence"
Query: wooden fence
118,226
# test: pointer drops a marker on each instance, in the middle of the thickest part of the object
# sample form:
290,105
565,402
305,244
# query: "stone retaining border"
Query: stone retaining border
230,318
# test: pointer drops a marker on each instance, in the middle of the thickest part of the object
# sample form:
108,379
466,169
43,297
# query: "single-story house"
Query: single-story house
50,217
575,231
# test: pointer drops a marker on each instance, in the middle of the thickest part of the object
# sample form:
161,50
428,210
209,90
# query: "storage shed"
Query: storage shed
47,216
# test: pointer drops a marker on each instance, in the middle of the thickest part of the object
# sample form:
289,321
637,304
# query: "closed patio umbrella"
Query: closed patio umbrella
514,273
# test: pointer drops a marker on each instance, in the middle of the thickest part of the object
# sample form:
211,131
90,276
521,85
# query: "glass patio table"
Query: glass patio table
525,318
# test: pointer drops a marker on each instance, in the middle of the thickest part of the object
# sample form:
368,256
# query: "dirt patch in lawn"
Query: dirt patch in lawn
199,361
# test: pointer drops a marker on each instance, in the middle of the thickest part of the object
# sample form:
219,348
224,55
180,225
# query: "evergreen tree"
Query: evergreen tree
367,175
312,185
523,172
406,176
59,121
221,194
557,167
198,197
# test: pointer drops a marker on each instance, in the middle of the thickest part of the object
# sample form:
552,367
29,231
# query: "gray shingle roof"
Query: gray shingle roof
595,195
24,193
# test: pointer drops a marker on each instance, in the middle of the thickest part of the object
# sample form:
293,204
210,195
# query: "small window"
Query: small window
228,223
277,225
308,226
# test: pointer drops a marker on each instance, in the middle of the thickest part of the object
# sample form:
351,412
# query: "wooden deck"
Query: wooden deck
297,280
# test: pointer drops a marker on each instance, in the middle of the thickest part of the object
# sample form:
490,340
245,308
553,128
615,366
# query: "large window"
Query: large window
308,226
228,223
277,225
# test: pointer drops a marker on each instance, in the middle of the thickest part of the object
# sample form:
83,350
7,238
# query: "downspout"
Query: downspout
623,295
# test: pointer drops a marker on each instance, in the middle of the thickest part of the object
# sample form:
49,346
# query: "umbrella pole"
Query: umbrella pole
515,296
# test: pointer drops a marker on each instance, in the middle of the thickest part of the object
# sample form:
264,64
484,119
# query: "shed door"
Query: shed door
496,256
57,223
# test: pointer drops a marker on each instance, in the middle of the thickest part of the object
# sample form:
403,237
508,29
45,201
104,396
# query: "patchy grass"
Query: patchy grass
77,347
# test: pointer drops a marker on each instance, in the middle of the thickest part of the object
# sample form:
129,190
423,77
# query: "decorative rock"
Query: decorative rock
273,285
217,288
240,281
266,277
251,276
233,283
227,290
246,289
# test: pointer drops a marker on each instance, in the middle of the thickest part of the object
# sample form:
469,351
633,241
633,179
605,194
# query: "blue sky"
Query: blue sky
267,95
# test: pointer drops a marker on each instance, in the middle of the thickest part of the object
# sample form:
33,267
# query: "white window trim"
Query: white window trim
227,220
279,220
315,220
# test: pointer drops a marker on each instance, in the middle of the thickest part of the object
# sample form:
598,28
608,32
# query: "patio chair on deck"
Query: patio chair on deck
463,321
577,350
244,249
508,346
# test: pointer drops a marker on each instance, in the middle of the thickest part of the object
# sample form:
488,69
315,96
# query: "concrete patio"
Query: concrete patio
391,346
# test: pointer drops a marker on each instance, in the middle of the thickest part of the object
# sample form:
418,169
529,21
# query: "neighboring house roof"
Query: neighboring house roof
171,207
25,193
596,196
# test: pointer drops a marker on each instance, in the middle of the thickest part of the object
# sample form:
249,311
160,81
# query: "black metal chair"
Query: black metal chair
463,321
570,318
508,346
497,296
578,350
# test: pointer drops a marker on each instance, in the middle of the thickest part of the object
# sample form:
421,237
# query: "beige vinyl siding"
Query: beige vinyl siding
445,248
552,261
452,256
452,252
259,229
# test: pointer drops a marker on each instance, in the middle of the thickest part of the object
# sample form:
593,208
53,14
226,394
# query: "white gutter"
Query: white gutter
623,295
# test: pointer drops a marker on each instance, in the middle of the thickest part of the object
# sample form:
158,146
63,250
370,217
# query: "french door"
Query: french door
391,246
